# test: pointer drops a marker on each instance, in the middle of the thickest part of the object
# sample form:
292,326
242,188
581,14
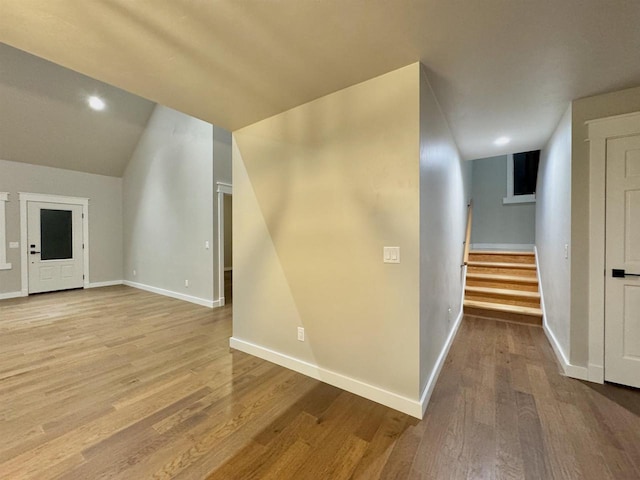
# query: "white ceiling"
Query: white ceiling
498,67
45,120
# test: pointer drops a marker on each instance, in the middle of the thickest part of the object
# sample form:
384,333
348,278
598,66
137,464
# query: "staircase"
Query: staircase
503,286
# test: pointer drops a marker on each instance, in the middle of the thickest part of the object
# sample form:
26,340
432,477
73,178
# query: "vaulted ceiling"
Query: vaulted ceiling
498,67
45,119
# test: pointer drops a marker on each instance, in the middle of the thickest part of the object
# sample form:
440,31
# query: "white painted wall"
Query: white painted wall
443,214
105,215
168,206
553,232
493,221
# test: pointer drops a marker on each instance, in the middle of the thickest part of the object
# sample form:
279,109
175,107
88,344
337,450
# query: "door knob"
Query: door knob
619,273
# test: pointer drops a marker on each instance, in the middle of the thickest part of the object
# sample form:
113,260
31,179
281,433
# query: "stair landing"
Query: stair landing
503,285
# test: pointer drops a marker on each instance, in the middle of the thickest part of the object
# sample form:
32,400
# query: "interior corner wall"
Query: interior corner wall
493,221
105,215
553,232
444,193
584,109
168,206
319,190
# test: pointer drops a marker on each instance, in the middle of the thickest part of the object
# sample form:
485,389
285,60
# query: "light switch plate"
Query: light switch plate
391,255
14,245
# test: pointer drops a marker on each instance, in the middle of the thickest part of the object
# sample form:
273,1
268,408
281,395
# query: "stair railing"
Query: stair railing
467,238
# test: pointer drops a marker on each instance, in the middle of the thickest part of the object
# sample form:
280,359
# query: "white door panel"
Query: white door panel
622,294
55,244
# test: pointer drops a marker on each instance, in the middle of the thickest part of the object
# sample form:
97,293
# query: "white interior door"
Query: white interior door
55,243
622,294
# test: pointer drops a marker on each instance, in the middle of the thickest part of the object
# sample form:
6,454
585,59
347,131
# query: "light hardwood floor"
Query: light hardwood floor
120,383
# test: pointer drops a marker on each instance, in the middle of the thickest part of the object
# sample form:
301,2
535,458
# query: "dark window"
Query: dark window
56,236
525,172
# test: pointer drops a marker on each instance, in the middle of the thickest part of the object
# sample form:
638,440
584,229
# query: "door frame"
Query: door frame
24,241
222,189
600,130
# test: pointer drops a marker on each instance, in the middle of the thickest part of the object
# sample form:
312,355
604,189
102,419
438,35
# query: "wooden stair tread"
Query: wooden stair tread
525,266
502,291
504,308
500,252
501,278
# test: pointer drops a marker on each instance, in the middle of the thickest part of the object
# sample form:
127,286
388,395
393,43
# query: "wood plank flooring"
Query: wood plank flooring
120,383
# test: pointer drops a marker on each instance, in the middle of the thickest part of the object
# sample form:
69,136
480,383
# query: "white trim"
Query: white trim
221,189
168,293
24,241
371,392
519,199
8,295
435,373
224,188
520,247
4,265
599,131
109,283
573,371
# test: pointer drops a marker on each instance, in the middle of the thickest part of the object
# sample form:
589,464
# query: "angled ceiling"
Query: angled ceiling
498,67
45,119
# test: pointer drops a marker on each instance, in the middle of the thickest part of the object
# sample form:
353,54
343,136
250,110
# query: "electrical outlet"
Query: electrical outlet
206,244
301,334
566,250
135,273
391,254
186,283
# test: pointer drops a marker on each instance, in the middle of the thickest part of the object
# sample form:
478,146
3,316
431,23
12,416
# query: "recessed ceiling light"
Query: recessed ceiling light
501,140
96,103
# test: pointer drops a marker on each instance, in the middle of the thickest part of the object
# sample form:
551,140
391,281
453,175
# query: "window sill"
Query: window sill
519,199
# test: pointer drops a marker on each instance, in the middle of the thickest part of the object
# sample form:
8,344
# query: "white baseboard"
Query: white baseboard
8,295
435,373
110,283
527,247
573,371
357,387
168,293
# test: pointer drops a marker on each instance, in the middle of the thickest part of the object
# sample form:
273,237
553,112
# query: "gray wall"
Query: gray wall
221,173
553,231
494,222
105,215
443,215
168,206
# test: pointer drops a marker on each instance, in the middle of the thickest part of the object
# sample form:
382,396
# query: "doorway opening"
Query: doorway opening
225,244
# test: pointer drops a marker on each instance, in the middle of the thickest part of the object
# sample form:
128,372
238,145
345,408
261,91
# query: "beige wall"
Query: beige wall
168,206
318,191
615,103
105,215
553,231
444,192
